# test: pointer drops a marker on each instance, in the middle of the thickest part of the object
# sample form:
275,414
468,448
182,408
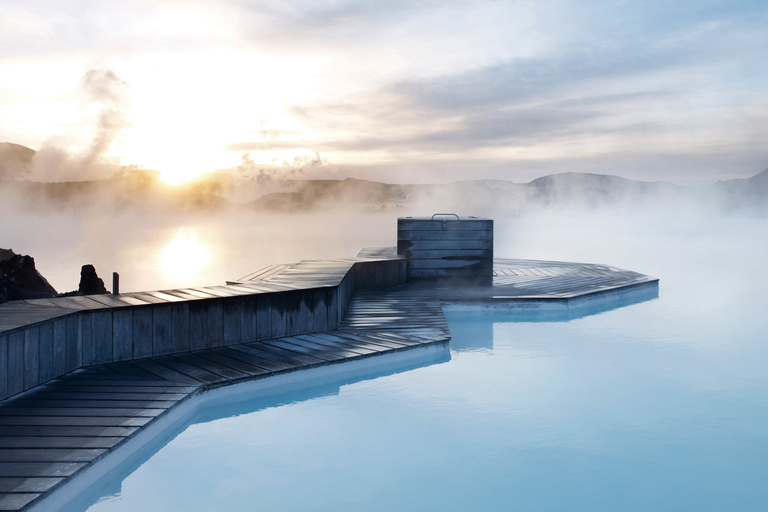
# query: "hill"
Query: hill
15,161
129,187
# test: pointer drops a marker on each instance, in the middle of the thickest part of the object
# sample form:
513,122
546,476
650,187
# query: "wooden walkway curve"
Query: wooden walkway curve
52,432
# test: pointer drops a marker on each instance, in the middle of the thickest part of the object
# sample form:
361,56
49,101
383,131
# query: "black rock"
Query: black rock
19,279
90,283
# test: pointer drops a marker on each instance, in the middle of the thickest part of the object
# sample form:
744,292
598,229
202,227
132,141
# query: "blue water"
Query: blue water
660,405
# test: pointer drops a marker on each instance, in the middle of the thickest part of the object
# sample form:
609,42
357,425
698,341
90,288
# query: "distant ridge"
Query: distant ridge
15,161
143,188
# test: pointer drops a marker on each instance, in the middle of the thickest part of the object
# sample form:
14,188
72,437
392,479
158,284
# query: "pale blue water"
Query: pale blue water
656,406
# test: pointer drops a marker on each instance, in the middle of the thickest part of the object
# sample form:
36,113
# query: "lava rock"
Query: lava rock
90,283
19,279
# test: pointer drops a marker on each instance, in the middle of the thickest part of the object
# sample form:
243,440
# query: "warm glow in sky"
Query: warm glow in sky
394,91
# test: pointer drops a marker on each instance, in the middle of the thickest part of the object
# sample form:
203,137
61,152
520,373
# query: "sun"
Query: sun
179,175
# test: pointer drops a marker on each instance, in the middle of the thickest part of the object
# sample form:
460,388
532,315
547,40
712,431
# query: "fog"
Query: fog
156,246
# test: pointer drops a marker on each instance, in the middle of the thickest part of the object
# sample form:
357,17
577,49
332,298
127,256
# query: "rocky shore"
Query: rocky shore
19,279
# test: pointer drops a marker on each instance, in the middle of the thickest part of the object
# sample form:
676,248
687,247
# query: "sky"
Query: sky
410,92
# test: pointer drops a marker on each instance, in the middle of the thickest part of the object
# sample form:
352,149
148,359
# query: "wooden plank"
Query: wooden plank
109,300
102,336
385,337
77,442
135,404
313,349
266,359
59,345
3,366
142,332
122,334
278,315
162,329
180,322
164,296
444,223
224,371
292,357
10,410
162,371
15,363
307,311
334,314
485,254
16,501
364,340
46,352
73,350
31,356
133,301
469,264
320,309
198,325
214,323
49,454
64,431
241,353
150,298
87,396
435,245
38,469
232,330
360,348
248,319
104,421
169,387
192,371
293,315
26,485
80,302
199,293
456,237
263,318
220,357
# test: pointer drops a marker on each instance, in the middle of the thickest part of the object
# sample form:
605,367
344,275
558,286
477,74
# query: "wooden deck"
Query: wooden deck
51,432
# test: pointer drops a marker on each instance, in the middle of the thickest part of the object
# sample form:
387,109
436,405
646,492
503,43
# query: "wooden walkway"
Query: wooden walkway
57,429
523,280
50,433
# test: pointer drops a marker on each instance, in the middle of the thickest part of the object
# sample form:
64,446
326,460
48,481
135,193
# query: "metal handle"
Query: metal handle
444,226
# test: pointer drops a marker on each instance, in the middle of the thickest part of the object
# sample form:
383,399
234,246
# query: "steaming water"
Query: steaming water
661,405
154,252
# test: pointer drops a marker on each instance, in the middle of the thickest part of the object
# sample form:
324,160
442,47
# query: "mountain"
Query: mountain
594,189
143,188
567,189
743,193
15,161
312,194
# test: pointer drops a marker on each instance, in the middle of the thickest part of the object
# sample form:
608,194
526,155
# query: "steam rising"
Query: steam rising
104,91
253,181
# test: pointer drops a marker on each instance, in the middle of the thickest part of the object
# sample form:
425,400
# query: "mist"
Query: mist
103,96
162,237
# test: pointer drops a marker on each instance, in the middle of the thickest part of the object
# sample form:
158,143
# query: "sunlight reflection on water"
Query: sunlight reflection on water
185,256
